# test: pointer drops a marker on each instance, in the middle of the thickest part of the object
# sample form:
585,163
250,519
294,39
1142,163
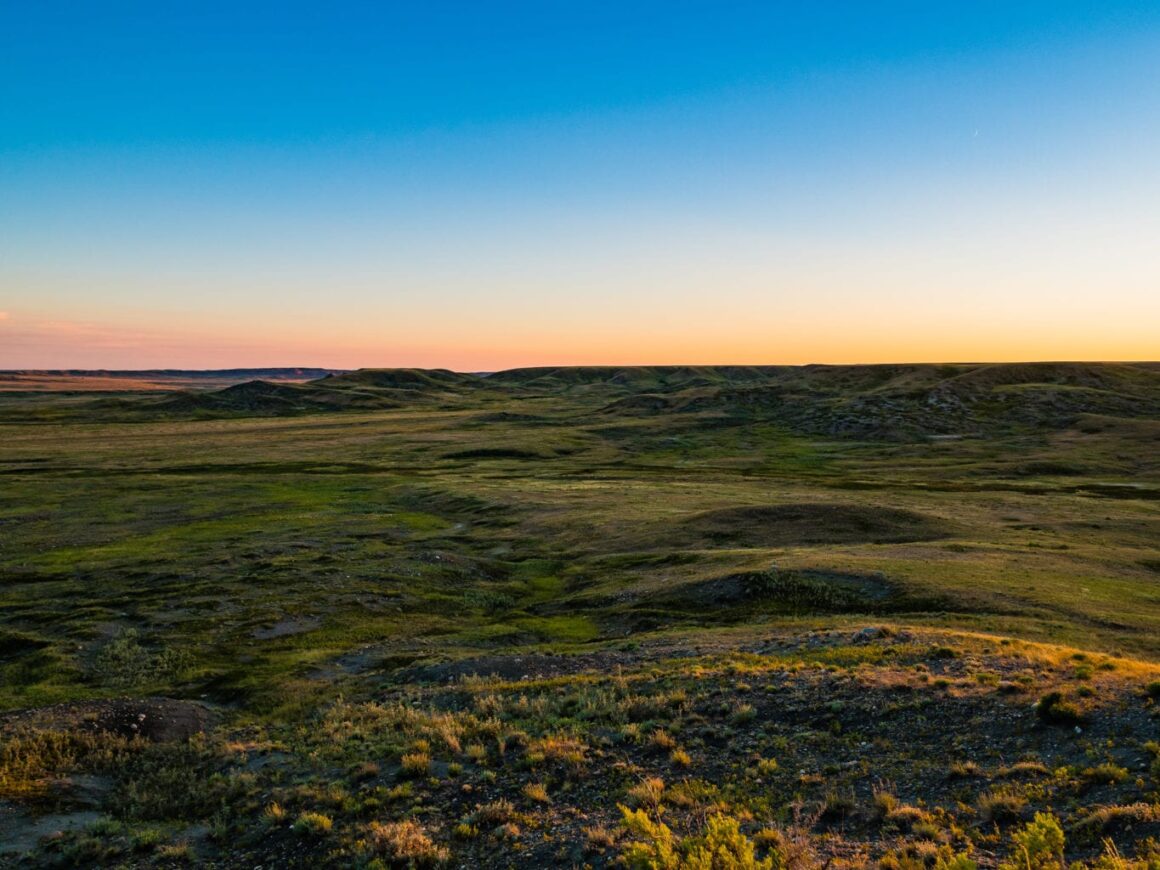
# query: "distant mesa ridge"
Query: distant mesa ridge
282,373
402,379
870,402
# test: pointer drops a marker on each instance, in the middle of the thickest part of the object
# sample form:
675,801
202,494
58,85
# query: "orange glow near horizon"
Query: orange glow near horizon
28,343
880,191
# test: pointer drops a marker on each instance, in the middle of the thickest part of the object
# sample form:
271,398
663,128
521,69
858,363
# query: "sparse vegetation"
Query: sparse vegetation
722,845
1054,709
404,843
313,824
463,629
416,764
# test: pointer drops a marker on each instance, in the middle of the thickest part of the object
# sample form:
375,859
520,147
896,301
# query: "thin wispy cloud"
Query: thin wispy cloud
54,344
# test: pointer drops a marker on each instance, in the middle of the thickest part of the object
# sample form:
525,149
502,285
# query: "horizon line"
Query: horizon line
331,369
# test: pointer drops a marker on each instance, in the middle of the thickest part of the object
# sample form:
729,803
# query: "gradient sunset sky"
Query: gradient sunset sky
482,185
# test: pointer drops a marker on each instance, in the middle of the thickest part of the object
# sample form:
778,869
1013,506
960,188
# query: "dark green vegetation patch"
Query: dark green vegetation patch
791,524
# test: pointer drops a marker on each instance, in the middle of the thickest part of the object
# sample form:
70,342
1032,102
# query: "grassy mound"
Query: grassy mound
401,379
784,525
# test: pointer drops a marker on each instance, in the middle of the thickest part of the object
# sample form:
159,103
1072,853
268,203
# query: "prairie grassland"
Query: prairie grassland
467,629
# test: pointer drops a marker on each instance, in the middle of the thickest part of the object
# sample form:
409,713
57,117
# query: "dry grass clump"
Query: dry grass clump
405,843
662,741
1106,773
599,838
274,814
416,764
923,854
465,831
495,813
1054,709
1000,804
966,770
1024,769
560,748
537,792
791,849
641,708
180,852
766,767
32,762
884,803
313,824
888,810
743,714
908,818
647,793
446,729
1117,815
363,771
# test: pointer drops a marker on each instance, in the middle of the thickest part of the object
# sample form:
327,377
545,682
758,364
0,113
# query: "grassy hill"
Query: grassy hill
144,380
831,616
882,402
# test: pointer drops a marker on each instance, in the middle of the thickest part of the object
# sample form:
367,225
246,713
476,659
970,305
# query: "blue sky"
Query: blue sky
480,185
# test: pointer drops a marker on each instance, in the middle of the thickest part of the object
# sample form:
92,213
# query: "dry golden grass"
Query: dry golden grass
404,843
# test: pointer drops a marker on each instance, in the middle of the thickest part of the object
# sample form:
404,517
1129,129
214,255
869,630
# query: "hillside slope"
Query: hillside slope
873,402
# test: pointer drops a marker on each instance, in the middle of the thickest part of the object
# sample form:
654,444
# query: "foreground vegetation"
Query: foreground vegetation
892,616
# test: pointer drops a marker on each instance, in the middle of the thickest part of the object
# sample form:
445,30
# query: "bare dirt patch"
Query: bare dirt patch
287,627
517,667
154,719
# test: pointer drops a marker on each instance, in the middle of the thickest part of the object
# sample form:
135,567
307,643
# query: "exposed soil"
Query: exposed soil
520,667
287,627
154,719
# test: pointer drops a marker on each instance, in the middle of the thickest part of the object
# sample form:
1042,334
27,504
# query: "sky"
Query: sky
480,186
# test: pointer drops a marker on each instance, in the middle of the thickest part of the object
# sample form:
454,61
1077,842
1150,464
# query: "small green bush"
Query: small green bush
722,846
1039,846
1106,773
1052,708
313,824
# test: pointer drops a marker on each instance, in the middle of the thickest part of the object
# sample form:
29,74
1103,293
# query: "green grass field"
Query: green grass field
578,617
